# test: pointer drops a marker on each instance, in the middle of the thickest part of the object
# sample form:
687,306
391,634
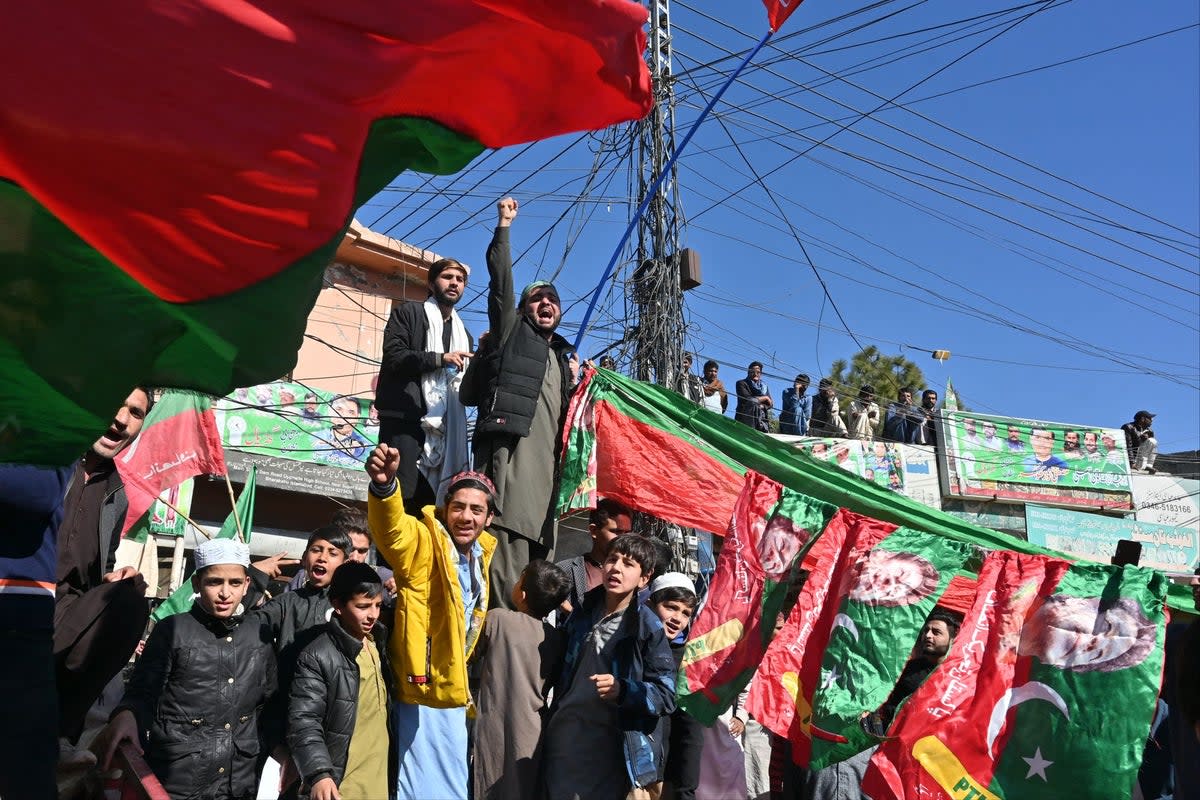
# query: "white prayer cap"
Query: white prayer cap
670,580
222,551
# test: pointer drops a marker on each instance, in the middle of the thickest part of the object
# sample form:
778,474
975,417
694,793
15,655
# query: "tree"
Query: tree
887,374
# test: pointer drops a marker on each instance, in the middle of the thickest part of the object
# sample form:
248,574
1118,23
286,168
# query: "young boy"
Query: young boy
294,619
197,690
338,731
617,679
673,598
519,655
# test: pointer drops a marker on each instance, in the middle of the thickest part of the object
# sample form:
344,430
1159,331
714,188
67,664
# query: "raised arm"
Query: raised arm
398,535
502,309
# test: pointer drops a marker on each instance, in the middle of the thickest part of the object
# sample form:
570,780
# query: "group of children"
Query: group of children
566,705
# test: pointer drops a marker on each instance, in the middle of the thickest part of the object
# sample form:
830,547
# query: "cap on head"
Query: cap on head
531,288
222,551
669,580
472,480
1144,413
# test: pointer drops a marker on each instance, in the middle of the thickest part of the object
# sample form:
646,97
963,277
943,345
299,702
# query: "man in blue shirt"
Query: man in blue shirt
1043,464
797,408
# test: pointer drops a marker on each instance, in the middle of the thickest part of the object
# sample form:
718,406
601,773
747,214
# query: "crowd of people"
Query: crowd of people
466,663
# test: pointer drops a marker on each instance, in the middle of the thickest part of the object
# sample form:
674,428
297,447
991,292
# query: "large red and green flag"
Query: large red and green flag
174,178
237,524
659,452
882,609
782,695
179,440
1047,692
771,529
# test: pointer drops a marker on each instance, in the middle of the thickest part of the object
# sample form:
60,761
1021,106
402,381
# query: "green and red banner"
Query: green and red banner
781,698
770,531
179,440
169,210
658,452
1047,692
883,606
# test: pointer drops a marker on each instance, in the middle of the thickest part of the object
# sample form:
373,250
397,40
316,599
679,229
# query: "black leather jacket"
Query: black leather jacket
196,692
324,703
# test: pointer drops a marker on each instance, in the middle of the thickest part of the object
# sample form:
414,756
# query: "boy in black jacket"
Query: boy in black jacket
338,731
197,690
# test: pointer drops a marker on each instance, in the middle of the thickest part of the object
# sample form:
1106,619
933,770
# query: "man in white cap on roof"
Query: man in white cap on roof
199,686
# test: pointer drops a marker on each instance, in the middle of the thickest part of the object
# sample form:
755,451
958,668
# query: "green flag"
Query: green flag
880,615
243,513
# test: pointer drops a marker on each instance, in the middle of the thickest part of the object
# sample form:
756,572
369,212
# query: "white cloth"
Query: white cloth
445,420
1147,454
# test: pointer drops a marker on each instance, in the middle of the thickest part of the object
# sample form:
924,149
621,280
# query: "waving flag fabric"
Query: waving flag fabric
1048,690
179,440
657,451
174,178
782,695
770,531
883,605
779,10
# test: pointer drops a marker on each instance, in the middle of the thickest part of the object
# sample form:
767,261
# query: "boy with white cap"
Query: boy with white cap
194,699
673,598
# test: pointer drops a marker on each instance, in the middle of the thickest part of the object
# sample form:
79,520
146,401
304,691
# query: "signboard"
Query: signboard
910,470
1167,500
1094,537
1002,458
295,422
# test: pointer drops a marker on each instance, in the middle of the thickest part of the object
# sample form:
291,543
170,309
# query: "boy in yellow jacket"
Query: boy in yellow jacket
441,566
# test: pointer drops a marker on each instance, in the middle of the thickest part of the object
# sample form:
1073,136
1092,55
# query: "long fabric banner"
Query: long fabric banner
655,450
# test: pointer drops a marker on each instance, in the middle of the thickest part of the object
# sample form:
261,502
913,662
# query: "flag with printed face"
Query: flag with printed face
782,695
883,604
770,531
1047,692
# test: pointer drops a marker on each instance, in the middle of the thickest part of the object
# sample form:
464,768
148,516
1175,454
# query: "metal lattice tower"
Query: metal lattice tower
655,289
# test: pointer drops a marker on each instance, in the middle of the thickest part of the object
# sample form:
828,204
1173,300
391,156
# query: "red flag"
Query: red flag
178,441
779,10
782,695
770,528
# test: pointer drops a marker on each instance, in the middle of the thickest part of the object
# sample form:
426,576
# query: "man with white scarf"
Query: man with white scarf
425,353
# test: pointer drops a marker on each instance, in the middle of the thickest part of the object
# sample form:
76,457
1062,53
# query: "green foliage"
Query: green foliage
884,372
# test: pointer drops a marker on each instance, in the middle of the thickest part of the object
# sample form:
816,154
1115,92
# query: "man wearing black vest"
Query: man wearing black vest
521,380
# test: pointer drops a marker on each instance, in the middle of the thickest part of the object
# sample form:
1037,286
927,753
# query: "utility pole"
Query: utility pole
655,287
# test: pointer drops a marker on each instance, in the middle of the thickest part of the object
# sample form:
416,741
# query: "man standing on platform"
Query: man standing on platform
521,382
425,351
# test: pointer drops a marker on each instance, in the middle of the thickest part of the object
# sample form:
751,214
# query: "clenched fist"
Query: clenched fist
382,464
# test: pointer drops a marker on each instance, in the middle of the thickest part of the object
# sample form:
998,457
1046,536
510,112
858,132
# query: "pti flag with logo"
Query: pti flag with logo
782,695
769,533
884,601
1048,690
179,440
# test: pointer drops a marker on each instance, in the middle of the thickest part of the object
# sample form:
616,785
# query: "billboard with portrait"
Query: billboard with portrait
298,423
1003,458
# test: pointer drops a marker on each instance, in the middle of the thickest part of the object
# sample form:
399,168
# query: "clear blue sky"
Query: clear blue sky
910,269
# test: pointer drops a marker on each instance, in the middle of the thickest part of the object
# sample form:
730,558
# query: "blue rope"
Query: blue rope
654,187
